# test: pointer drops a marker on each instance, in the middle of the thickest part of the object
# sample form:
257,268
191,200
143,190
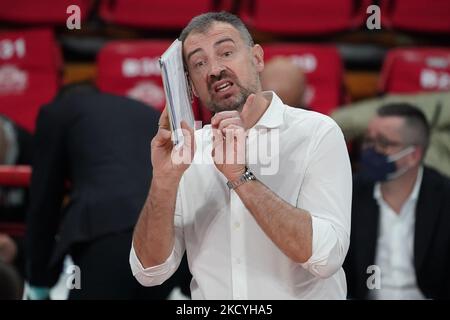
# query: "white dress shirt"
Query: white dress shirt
395,248
229,255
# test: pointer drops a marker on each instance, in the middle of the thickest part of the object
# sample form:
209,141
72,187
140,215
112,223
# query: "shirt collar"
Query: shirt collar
414,194
274,115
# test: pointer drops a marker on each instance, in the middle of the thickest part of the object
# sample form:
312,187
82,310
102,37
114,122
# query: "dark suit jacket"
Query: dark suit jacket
431,237
100,143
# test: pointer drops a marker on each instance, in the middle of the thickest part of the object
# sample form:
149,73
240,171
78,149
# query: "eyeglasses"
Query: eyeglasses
380,143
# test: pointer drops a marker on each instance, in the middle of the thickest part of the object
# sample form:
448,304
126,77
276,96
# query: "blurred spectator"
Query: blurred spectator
353,120
15,149
400,244
8,248
100,143
287,79
10,283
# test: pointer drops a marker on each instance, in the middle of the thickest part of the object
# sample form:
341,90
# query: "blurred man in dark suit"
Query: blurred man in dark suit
400,239
100,144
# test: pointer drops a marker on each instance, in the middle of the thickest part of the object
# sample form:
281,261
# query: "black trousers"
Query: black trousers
106,273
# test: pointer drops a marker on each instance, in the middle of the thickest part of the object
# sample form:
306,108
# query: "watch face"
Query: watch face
249,175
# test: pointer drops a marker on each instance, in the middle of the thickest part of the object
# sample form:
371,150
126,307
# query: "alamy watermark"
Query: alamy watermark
374,20
73,280
74,20
374,280
259,147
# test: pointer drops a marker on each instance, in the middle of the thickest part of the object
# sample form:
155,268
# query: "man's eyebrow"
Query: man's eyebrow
222,41
192,53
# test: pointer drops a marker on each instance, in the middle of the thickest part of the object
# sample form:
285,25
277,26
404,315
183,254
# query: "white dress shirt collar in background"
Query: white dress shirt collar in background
395,247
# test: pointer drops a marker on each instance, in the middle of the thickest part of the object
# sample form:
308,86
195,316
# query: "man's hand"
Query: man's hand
168,161
8,248
229,140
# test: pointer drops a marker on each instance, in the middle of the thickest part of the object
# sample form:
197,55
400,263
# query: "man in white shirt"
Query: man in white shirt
400,242
262,223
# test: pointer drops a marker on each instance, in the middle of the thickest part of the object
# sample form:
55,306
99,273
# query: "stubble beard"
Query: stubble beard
234,103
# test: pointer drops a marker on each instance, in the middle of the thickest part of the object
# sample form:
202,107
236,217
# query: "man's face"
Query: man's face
385,135
223,69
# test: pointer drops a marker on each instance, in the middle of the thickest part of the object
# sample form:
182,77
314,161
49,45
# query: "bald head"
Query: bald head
284,77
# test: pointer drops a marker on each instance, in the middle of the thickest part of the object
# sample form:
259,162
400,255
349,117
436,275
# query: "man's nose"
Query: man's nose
216,70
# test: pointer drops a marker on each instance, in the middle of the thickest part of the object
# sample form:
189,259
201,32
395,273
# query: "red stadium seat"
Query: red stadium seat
12,229
42,11
30,63
304,17
131,68
15,176
168,14
416,15
323,68
416,70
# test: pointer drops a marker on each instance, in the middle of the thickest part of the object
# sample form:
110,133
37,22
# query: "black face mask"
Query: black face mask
376,166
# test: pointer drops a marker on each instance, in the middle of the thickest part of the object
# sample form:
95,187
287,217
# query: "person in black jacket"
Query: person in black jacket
98,147
400,239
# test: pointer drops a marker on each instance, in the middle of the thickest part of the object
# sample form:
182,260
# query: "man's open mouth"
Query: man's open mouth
222,85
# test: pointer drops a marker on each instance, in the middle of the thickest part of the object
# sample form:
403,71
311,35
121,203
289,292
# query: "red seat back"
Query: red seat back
416,70
323,68
30,63
417,15
304,17
15,176
42,11
169,14
131,68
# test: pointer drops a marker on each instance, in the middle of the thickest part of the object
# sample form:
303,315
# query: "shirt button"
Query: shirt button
237,225
238,261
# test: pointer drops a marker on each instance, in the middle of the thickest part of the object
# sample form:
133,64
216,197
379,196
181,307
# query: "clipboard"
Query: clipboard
177,89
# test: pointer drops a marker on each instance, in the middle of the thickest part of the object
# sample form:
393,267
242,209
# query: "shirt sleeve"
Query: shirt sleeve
156,275
326,193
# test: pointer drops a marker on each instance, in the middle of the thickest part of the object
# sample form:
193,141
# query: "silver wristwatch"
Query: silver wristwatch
247,176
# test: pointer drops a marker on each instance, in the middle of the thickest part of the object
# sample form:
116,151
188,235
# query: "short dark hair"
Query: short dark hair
417,127
203,22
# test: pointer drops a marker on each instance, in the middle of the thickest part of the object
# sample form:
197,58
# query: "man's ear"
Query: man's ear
258,57
417,155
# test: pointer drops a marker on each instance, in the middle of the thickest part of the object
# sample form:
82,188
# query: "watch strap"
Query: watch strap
246,176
